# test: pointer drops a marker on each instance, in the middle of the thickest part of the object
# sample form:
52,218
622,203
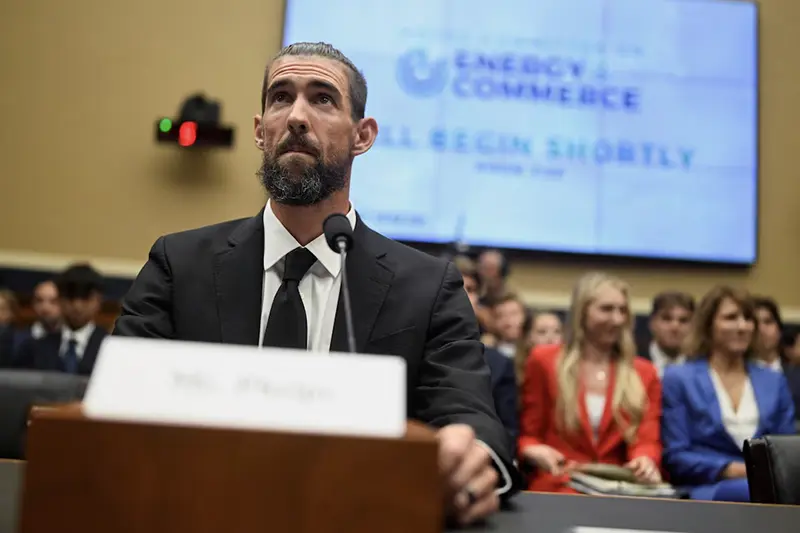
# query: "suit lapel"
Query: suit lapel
90,353
765,396
238,279
49,357
369,279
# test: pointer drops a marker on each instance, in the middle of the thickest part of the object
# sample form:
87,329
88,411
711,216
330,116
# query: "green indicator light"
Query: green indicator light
165,125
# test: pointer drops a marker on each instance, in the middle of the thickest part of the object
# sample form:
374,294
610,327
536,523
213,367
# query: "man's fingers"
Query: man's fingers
487,501
475,461
454,442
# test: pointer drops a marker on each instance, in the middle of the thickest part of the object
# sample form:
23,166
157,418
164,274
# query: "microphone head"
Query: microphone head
337,229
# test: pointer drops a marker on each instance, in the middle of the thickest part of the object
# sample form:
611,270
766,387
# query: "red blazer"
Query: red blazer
537,424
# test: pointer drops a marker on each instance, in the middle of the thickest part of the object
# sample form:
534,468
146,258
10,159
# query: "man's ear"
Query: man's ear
365,135
258,132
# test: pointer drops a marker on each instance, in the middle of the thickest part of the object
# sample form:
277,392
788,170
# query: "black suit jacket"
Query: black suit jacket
45,353
205,285
504,391
6,346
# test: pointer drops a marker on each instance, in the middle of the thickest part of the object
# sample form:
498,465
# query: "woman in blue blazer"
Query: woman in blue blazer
718,399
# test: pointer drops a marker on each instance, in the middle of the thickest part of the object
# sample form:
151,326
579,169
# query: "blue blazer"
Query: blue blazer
697,448
504,391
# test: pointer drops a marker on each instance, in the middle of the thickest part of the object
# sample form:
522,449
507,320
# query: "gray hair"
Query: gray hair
357,82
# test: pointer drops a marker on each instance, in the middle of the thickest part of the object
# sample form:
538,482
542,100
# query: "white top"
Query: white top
319,291
81,337
661,360
743,423
775,365
595,406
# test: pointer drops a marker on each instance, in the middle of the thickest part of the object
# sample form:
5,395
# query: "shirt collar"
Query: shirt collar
278,242
660,358
81,335
776,365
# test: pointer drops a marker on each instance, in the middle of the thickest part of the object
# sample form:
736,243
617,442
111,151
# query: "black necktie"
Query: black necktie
287,327
71,357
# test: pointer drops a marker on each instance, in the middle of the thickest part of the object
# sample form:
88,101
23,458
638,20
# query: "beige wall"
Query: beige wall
81,177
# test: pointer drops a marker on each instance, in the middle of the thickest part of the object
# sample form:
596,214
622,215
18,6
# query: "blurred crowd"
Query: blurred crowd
672,400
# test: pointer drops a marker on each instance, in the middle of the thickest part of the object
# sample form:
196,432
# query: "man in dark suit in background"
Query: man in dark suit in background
670,317
504,382
272,280
73,348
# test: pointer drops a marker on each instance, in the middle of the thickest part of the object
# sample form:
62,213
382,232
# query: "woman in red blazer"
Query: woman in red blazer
591,400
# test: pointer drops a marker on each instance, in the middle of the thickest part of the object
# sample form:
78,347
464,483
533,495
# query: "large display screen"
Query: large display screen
624,127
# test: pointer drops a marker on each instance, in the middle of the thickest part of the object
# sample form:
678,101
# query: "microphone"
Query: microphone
339,235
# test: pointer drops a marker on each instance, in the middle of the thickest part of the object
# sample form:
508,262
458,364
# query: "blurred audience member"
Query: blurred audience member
46,309
769,352
483,313
504,386
719,398
591,400
8,311
669,323
493,271
790,340
72,349
511,320
545,328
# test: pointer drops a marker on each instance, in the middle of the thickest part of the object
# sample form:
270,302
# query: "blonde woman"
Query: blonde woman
591,399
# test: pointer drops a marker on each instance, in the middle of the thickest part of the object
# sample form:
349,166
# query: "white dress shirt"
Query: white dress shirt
81,337
661,360
742,423
319,291
37,330
775,364
319,288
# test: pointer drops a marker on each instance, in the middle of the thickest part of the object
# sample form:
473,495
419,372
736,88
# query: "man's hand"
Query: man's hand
470,479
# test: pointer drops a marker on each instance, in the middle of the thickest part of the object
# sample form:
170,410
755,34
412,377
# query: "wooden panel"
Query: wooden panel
87,476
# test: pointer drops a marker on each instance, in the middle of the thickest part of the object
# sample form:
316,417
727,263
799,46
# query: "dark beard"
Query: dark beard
313,185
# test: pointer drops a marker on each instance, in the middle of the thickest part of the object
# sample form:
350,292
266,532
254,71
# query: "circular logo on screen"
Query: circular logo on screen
417,75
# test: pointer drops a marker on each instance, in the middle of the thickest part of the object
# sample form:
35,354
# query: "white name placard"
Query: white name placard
218,385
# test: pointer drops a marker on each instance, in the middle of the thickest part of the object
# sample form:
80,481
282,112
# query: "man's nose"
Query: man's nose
298,119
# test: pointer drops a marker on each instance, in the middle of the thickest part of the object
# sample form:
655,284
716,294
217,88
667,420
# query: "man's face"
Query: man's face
509,318
307,132
490,266
670,327
45,303
78,312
